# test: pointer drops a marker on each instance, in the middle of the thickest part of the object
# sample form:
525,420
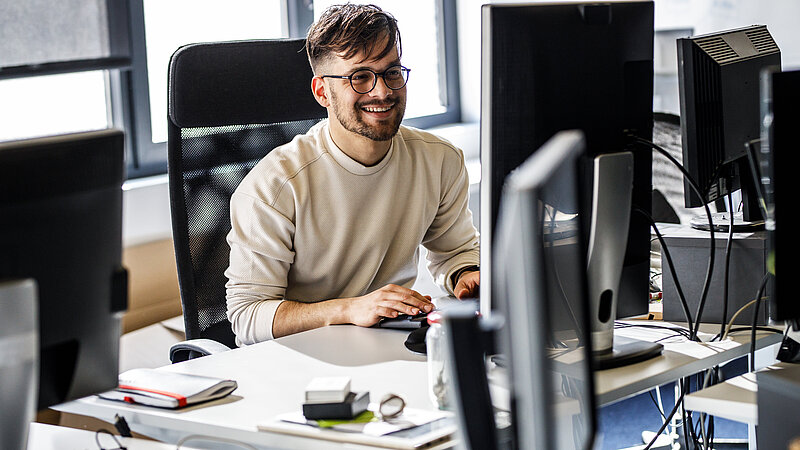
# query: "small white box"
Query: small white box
328,390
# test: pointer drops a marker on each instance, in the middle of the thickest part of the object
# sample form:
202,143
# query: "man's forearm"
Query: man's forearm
293,317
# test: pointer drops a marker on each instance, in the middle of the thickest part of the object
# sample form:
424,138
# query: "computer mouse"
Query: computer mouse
404,322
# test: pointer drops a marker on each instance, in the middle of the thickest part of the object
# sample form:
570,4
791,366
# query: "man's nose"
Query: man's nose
381,90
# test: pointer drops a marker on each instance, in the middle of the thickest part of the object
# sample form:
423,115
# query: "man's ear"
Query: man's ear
320,91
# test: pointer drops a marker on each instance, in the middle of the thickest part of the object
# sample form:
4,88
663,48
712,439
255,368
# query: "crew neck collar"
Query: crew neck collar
350,164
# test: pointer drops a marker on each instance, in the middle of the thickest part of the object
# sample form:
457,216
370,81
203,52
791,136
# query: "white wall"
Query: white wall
704,16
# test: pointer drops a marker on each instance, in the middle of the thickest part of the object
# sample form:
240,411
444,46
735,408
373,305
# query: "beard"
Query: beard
351,119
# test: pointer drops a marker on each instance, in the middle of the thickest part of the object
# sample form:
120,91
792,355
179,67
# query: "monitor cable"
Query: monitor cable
726,275
757,178
678,404
668,257
755,322
712,240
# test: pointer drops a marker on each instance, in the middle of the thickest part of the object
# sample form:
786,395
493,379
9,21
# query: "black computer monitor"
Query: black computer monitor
719,99
780,120
541,287
588,66
61,225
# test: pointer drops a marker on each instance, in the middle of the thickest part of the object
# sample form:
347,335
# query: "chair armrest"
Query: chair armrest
195,348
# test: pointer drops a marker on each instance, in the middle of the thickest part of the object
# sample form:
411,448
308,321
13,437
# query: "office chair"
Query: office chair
230,103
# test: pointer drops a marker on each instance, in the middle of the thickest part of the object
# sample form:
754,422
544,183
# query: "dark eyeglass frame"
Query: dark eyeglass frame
404,70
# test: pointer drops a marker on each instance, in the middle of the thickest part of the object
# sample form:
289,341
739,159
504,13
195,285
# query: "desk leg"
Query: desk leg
751,437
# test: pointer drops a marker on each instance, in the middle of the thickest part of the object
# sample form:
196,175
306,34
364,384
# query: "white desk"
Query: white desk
734,399
272,377
51,437
675,362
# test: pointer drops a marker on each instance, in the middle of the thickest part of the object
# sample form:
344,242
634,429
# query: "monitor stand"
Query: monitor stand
626,351
608,239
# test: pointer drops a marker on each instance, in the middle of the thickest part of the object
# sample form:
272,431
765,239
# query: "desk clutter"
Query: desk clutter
331,398
167,389
355,420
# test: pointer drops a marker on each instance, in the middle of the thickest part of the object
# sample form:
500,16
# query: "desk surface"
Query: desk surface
734,399
272,377
678,360
51,437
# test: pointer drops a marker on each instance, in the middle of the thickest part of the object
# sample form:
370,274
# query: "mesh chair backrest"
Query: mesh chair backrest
230,104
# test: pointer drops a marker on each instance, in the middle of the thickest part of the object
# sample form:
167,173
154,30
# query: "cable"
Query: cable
678,402
116,441
686,420
668,257
712,241
755,320
750,328
730,323
678,330
727,266
762,201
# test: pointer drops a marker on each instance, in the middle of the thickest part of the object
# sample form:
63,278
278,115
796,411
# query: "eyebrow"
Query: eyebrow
396,62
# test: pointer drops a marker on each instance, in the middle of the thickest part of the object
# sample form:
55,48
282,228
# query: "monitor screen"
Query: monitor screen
542,295
720,110
61,225
550,67
781,97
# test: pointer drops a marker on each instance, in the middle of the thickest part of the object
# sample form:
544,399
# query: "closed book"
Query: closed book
354,404
167,389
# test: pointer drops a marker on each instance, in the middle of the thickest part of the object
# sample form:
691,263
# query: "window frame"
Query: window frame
127,85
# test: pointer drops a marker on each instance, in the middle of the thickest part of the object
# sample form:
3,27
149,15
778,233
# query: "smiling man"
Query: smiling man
326,229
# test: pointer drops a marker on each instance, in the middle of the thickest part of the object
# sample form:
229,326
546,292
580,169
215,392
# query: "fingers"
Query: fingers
468,286
404,300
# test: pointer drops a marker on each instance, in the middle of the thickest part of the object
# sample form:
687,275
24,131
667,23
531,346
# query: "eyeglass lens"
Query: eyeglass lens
364,80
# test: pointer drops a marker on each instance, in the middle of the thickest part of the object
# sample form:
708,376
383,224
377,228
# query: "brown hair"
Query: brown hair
349,29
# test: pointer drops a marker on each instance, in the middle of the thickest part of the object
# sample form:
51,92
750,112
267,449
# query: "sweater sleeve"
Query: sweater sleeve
261,254
452,240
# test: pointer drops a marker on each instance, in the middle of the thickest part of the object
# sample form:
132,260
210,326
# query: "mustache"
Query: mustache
391,100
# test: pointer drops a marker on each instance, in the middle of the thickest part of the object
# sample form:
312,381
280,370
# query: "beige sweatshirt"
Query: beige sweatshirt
311,224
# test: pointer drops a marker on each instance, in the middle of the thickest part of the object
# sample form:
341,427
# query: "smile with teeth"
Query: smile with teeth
377,109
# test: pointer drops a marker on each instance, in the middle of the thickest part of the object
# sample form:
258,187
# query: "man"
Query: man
326,229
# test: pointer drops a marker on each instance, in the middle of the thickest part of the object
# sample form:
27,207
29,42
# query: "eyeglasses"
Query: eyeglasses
391,406
363,80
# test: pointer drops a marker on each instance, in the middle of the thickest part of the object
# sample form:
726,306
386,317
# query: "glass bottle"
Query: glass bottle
438,378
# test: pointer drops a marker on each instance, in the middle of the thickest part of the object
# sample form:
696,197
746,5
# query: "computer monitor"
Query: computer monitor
542,290
61,225
588,66
780,119
720,110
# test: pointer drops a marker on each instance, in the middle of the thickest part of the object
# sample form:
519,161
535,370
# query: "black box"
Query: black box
778,397
355,404
689,249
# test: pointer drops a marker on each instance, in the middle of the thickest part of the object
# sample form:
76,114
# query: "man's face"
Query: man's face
375,115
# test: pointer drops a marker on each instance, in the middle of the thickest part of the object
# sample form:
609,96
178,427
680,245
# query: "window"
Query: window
120,80
174,23
420,24
55,58
160,28
53,104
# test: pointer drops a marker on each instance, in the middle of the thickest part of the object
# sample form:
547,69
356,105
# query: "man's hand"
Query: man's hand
388,301
468,285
